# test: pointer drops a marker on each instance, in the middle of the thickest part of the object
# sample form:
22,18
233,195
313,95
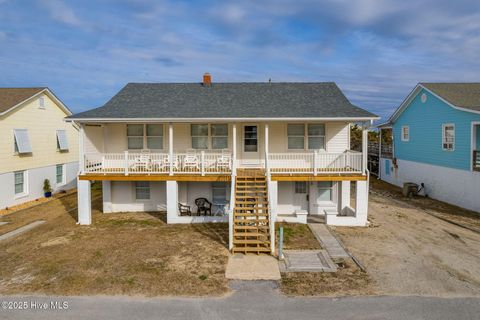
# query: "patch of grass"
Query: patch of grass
125,253
297,236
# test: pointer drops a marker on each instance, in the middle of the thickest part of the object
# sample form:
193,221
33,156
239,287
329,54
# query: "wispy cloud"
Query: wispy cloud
61,12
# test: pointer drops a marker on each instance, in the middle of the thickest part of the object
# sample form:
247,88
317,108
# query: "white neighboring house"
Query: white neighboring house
36,144
257,152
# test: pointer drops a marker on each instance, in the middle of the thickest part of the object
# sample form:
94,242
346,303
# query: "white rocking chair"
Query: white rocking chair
191,160
223,161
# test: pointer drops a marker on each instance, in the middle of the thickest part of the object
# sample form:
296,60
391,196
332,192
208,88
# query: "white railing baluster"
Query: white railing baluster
126,163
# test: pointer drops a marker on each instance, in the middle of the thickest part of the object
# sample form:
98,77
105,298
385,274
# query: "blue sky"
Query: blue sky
376,51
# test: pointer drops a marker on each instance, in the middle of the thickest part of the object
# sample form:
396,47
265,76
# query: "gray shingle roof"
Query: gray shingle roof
227,100
464,95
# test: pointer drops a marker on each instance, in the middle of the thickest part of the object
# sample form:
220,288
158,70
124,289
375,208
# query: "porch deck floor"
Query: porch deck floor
328,241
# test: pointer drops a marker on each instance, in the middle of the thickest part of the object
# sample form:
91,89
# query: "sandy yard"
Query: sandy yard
409,252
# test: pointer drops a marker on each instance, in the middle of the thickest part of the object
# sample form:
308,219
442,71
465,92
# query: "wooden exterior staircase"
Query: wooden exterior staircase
251,225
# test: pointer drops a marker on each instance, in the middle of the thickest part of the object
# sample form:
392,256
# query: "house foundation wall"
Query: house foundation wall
454,186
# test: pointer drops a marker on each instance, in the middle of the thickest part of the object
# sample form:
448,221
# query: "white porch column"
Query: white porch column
107,196
361,199
364,147
170,146
266,149
273,199
81,150
172,201
379,173
234,148
84,202
344,195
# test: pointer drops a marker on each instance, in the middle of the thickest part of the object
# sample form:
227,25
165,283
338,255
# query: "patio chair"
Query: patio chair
223,161
191,160
142,161
184,210
164,164
203,206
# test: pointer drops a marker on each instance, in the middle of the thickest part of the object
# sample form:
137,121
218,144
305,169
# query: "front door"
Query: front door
300,195
251,147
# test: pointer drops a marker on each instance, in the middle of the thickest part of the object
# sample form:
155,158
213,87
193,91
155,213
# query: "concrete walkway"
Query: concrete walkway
328,241
21,230
250,300
252,267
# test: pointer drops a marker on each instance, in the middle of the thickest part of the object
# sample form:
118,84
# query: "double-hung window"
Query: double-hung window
20,183
60,174
448,137
142,190
213,136
296,136
145,136
405,133
302,137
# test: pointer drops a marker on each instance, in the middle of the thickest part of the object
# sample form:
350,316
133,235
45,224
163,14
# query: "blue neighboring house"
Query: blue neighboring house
436,141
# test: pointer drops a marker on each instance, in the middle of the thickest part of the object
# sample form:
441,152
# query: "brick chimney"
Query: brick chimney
207,79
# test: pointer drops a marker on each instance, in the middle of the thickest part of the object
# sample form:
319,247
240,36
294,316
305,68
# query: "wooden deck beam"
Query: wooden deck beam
217,177
154,177
306,177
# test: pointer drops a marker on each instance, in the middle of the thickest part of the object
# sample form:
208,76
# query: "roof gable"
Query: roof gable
227,100
433,88
12,98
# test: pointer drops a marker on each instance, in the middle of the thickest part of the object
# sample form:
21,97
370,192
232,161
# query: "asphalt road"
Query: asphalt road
247,302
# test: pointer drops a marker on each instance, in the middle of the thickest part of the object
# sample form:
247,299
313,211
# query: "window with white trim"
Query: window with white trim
41,103
60,174
324,190
142,190
306,137
405,133
21,141
316,136
448,136
145,136
219,192
209,136
20,183
296,136
300,187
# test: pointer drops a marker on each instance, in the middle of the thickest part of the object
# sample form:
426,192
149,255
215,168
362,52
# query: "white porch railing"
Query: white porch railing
315,162
204,163
158,163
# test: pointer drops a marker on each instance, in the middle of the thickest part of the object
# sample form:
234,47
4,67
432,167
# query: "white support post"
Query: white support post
107,196
364,148
379,173
126,162
170,147
84,202
345,195
81,150
266,150
315,159
202,162
234,149
361,203
172,201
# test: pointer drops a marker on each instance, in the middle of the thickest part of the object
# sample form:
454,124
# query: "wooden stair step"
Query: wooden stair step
249,220
249,227
251,214
240,241
250,234
250,249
